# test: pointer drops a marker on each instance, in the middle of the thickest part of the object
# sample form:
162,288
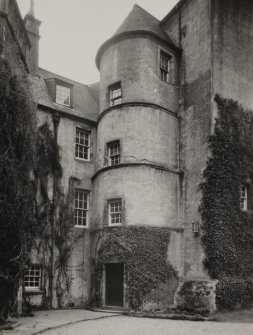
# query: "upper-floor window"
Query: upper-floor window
114,152
82,149
63,95
165,66
32,278
115,212
81,208
115,94
243,197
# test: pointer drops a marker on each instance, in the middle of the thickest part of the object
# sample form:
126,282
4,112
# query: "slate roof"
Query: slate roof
85,97
140,20
94,90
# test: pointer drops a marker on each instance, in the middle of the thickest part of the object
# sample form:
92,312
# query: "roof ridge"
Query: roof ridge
59,75
93,84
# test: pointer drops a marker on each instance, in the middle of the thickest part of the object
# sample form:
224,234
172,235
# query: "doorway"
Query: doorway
114,284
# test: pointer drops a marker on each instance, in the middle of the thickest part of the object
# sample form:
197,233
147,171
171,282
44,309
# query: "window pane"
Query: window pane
114,152
32,277
115,212
165,67
243,198
115,93
82,148
81,207
116,102
63,95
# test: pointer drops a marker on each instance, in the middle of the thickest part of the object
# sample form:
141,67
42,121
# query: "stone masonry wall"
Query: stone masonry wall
149,196
146,134
79,263
232,23
80,259
195,110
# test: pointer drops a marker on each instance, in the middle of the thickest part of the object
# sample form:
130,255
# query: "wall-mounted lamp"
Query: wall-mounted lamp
195,228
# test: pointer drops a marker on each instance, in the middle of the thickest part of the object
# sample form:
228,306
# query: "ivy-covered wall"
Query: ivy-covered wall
144,253
227,231
17,161
76,174
57,237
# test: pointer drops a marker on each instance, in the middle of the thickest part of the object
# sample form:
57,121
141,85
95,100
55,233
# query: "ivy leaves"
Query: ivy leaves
17,160
144,251
227,231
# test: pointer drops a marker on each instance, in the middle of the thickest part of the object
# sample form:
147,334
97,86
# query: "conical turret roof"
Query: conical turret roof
137,22
140,20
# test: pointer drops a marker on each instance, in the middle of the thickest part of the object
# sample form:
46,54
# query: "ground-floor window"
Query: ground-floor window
32,278
243,198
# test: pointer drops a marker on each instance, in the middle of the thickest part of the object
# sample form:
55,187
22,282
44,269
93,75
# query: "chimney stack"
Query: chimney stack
32,26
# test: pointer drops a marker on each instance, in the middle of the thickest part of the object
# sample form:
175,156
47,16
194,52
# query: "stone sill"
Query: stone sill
27,292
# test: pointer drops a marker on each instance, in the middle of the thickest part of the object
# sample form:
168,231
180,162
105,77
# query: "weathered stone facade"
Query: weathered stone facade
161,125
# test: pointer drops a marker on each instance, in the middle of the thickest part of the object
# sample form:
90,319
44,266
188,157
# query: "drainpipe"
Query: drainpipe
56,120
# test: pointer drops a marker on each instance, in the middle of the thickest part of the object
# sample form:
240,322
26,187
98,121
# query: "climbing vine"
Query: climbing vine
17,160
144,253
56,237
227,230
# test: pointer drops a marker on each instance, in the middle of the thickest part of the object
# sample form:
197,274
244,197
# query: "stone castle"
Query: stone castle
134,144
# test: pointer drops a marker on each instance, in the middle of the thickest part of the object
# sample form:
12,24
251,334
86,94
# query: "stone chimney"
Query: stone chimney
32,26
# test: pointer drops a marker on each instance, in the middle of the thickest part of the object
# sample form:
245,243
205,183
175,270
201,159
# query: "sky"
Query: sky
73,30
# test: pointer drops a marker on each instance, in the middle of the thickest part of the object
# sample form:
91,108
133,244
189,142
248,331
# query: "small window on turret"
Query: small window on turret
114,152
115,94
115,212
165,67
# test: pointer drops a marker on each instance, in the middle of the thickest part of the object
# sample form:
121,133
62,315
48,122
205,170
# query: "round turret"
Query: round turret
137,173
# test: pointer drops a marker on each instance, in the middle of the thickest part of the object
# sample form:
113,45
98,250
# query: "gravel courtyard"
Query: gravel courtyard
123,325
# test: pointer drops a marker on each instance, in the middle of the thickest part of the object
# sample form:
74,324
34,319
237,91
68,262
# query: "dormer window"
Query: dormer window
115,94
165,66
63,95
